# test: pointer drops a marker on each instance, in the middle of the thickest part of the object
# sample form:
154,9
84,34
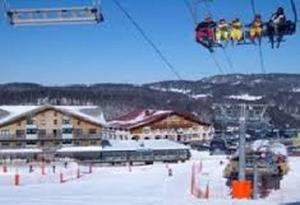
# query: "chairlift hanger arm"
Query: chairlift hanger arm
294,11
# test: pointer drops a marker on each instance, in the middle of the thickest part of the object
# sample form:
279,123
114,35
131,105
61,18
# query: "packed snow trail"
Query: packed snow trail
145,185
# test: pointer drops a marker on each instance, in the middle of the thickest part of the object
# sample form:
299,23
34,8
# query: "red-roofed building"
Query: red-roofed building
159,124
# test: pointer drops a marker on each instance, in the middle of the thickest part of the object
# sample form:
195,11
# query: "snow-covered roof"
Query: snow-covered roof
15,151
119,145
80,149
15,112
127,145
265,145
140,118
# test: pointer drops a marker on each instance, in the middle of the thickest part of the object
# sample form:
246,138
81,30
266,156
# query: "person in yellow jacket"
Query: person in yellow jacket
256,28
222,31
236,32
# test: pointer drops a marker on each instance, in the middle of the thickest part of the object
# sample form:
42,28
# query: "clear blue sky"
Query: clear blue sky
115,52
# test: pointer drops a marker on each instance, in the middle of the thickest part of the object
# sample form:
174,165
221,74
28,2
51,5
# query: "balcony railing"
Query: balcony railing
11,137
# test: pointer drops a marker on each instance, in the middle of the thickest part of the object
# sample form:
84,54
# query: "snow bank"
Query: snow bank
198,96
175,90
144,145
27,150
245,97
264,145
296,90
147,185
81,149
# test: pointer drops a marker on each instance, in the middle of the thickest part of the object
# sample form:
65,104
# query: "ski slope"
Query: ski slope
145,185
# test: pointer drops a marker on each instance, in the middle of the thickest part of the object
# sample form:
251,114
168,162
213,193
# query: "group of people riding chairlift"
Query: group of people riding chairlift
217,34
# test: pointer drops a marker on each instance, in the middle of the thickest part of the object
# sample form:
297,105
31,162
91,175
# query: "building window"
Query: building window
92,131
5,144
31,142
20,132
77,131
78,122
93,142
43,122
31,131
19,144
55,114
42,132
5,132
66,121
136,137
55,132
157,137
67,141
67,131
55,122
29,122
19,124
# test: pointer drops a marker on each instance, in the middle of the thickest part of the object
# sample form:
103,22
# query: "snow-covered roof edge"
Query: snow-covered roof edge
139,121
70,110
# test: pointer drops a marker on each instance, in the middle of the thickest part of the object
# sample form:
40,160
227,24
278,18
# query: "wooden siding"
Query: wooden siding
50,120
171,122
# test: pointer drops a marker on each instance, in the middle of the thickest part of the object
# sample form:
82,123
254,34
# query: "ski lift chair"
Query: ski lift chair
53,16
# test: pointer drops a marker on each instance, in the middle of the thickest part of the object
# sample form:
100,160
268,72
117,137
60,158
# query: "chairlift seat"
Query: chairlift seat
48,16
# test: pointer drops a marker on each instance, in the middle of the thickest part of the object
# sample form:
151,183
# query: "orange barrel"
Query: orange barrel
241,189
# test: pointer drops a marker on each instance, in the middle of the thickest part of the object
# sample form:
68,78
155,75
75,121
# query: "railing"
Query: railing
10,137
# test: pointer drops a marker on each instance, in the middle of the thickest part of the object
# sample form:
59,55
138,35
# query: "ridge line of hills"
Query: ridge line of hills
197,97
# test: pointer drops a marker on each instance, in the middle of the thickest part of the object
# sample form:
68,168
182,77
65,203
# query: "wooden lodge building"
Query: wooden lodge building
159,124
50,126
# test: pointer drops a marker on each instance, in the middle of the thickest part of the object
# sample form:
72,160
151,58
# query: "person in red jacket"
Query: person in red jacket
205,32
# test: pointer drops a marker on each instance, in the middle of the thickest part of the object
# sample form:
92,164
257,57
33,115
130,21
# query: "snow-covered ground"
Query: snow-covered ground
145,185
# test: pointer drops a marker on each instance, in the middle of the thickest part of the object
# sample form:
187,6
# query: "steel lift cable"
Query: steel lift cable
209,11
294,8
148,40
261,57
194,17
5,7
227,57
192,10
